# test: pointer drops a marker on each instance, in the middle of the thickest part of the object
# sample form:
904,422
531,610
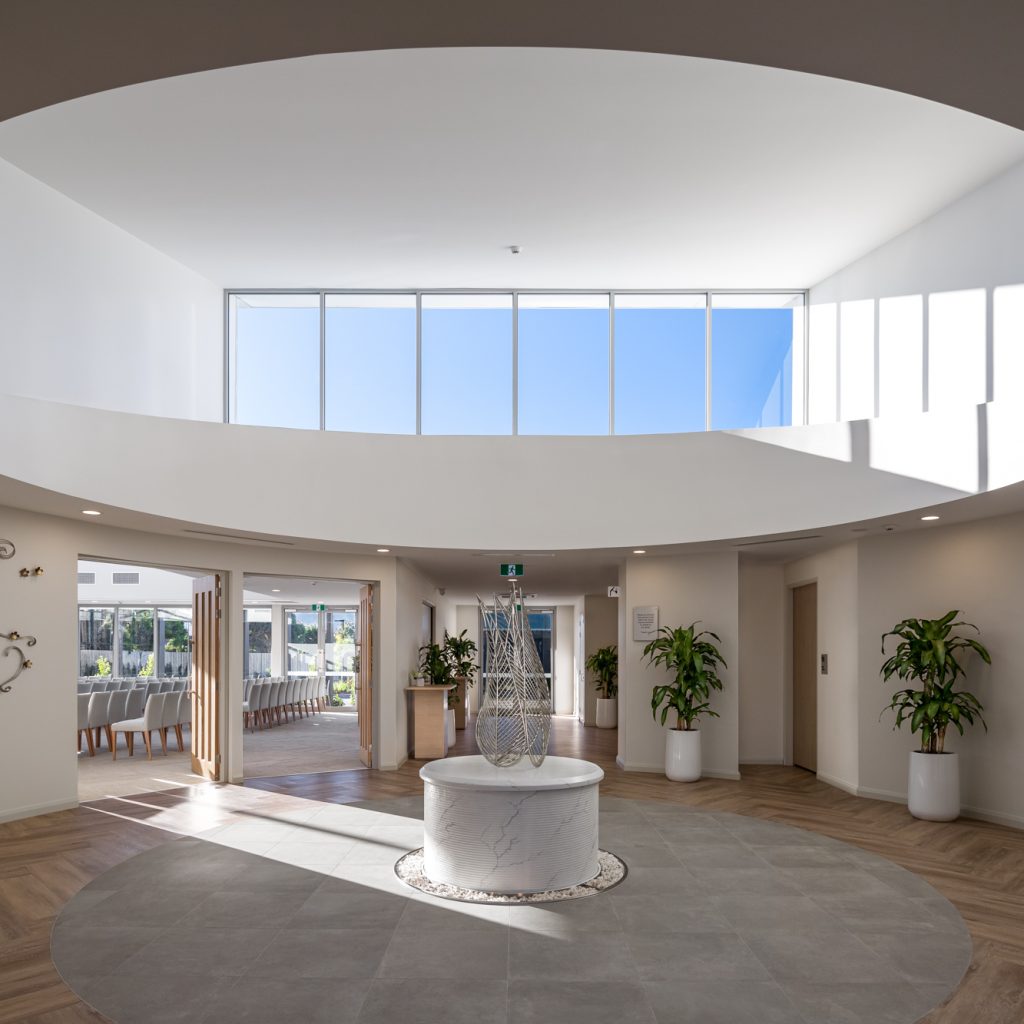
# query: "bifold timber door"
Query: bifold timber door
364,700
805,676
206,621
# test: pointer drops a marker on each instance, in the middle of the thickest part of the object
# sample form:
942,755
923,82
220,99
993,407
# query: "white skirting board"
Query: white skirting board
846,787
966,811
659,769
16,813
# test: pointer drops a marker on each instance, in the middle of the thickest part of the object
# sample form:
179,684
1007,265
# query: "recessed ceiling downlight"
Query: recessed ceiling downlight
928,519
383,551
639,551
91,512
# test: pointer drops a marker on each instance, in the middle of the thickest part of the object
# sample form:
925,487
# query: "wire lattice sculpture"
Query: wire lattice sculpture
515,718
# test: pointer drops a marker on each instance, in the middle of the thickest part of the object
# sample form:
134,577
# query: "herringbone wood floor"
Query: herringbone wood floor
980,867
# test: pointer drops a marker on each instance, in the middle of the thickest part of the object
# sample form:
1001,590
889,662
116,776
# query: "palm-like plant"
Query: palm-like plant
458,651
434,666
695,663
604,663
930,652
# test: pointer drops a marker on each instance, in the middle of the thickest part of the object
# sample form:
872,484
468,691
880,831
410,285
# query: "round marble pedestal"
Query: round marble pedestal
510,830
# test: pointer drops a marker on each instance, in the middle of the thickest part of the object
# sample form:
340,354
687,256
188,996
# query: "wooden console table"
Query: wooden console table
428,708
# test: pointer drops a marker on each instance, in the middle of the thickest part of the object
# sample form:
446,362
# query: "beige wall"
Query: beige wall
978,568
600,628
685,588
761,642
563,661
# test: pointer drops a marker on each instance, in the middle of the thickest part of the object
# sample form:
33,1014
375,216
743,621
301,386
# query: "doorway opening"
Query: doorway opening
307,663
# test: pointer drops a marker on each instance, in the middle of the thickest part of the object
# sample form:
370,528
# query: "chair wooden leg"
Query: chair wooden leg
130,737
110,736
149,746
113,748
79,740
181,739
88,740
163,740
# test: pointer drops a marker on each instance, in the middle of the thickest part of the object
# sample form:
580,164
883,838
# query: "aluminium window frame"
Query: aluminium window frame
708,293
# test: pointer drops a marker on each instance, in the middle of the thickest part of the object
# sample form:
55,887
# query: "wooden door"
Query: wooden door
206,671
364,700
805,676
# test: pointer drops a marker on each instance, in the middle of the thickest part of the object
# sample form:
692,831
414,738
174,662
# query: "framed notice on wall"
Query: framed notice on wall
645,623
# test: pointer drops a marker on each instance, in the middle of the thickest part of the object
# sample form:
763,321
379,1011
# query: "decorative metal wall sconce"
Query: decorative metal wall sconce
25,573
23,663
7,548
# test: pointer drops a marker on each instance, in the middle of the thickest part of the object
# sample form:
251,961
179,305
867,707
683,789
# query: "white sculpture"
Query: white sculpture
515,718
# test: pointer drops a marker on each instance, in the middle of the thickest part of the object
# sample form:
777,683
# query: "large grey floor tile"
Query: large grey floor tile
271,1001
586,957
591,914
925,958
428,914
865,1003
356,907
789,912
81,950
696,956
469,1001
646,914
720,1002
833,881
820,954
156,1000
412,955
198,951
578,1002
241,910
293,955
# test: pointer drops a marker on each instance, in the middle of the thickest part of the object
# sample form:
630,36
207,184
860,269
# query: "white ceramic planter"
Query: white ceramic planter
682,755
607,712
933,793
450,728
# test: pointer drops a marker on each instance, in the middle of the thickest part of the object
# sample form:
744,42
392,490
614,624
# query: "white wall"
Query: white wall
835,572
977,568
467,617
562,660
684,588
761,644
757,483
413,589
90,315
37,718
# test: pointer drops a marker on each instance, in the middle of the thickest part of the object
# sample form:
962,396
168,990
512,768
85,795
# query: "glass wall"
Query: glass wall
752,343
517,362
275,360
341,654
542,626
370,363
563,364
96,641
302,637
135,642
256,641
660,363
467,364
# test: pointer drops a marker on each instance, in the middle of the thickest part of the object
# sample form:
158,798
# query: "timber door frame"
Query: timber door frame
208,676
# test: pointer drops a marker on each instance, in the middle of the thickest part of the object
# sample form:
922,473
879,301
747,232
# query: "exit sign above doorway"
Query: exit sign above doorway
512,570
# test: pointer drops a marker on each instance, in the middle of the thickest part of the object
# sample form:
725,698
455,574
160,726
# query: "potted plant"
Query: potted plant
604,663
929,654
694,662
459,650
436,669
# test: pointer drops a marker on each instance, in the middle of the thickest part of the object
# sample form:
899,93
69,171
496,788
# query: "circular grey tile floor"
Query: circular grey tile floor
298,916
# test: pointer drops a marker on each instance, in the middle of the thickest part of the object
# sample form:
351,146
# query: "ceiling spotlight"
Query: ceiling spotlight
515,250
383,551
276,590
639,551
928,519
90,512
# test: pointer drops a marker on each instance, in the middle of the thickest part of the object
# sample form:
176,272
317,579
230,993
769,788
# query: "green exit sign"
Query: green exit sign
512,569
318,607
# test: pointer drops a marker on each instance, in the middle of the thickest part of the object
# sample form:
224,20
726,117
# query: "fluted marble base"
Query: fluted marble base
510,830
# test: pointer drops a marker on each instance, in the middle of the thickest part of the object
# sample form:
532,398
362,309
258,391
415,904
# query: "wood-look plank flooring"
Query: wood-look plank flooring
978,866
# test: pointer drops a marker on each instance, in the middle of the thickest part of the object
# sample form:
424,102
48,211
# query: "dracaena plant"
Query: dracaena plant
694,662
458,651
604,663
929,654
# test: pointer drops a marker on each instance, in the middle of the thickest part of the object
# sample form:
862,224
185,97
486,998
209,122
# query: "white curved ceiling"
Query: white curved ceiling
417,168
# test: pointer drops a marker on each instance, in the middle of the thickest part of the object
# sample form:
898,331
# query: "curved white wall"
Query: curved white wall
547,492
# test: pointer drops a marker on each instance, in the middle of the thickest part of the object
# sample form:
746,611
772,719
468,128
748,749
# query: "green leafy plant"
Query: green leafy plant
929,652
604,663
434,666
694,663
149,668
459,651
103,666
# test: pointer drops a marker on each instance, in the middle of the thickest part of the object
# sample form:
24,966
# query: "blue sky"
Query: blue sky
467,369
